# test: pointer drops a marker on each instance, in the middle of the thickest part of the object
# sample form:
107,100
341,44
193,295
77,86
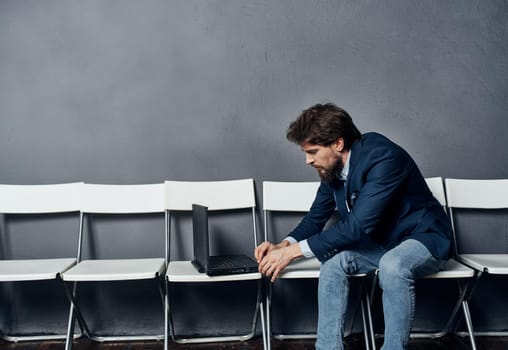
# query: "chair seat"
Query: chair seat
491,263
453,269
115,270
302,268
184,271
33,269
306,268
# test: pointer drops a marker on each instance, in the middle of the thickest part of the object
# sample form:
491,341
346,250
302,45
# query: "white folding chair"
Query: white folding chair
297,197
40,200
483,195
125,200
218,196
452,270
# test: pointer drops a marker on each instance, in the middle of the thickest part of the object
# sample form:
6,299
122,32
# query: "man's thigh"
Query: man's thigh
411,257
359,260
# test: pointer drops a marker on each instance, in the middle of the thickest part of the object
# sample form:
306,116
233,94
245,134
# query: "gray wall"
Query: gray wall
143,91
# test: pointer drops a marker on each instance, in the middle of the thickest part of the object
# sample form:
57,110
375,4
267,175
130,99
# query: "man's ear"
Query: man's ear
338,145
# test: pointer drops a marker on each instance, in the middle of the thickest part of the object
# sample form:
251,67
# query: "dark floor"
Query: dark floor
352,343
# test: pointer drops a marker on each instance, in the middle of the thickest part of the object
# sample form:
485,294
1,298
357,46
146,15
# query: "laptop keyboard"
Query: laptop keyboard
222,261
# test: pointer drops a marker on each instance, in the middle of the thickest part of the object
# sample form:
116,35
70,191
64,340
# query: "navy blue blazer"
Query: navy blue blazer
388,202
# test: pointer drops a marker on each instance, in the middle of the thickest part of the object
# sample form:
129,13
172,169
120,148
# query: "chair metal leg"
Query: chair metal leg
369,303
169,316
268,316
73,313
465,307
70,329
27,338
76,312
291,336
365,327
156,337
469,323
166,316
450,323
364,304
263,324
358,305
465,293
35,338
452,320
370,329
86,331
245,337
284,336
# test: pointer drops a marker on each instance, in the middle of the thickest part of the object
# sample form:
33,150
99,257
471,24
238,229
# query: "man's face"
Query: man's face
325,159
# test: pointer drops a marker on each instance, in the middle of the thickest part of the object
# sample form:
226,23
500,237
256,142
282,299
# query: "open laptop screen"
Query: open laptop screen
200,234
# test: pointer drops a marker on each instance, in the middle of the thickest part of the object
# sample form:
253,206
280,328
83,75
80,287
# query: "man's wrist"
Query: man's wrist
296,252
290,239
284,243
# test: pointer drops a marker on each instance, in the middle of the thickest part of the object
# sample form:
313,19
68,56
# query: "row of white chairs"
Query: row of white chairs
96,199
466,269
175,196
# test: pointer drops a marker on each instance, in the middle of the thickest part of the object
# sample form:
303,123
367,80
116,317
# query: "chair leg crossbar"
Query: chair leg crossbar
465,292
363,303
258,310
36,338
75,313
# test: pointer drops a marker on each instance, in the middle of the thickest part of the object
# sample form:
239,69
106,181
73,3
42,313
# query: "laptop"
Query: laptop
214,265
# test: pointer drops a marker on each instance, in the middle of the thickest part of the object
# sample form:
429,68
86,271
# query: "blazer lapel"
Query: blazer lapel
356,151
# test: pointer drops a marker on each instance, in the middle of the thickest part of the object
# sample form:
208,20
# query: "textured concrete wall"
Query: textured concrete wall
133,92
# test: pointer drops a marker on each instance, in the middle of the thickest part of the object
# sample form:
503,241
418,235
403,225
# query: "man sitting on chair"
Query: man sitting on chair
388,220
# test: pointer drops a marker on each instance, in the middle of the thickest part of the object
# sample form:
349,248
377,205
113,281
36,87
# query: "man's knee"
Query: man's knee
393,268
341,264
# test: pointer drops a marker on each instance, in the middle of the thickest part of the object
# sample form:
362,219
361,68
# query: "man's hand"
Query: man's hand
266,247
272,259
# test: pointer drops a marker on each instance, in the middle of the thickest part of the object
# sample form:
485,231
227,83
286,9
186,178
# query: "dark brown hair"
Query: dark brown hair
323,124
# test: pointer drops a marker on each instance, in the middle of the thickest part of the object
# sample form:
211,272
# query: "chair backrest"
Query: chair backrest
216,195
123,199
474,194
119,199
436,186
289,196
40,199
477,194
299,196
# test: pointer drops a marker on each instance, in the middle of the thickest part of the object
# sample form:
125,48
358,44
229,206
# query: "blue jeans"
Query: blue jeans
398,268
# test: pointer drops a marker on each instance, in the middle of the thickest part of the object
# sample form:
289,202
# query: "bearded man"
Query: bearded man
388,220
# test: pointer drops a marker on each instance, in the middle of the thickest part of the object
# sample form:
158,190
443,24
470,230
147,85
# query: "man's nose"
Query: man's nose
309,160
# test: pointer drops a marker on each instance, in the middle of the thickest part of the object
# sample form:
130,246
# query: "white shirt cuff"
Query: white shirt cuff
304,246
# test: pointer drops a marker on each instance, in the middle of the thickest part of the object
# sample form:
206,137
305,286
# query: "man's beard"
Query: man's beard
330,175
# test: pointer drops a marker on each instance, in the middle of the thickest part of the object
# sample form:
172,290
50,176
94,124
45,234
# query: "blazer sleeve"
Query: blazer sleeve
319,213
384,170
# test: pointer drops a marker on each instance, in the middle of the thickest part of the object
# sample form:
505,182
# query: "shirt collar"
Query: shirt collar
345,170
